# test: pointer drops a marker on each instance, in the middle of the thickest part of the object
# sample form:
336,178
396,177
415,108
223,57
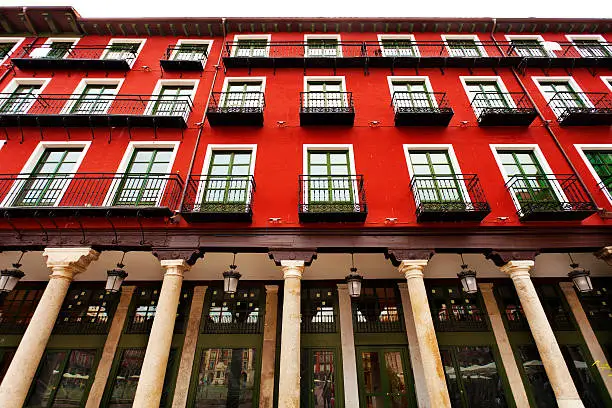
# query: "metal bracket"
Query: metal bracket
7,217
44,230
142,234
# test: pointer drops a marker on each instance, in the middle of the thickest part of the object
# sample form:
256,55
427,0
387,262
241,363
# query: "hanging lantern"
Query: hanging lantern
581,277
115,277
467,278
231,278
354,281
10,277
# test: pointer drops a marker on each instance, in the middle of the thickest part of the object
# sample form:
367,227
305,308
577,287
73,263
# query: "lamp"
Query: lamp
231,278
115,277
10,277
580,276
354,280
468,278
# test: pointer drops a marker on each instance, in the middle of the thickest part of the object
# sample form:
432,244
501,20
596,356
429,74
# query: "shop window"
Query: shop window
511,308
597,304
86,311
17,308
377,310
454,310
144,305
536,378
239,312
319,313
556,311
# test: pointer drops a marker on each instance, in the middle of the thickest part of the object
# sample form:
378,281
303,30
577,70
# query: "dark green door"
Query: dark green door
602,163
94,100
529,183
144,179
330,185
20,100
486,95
384,378
435,180
173,101
227,183
318,381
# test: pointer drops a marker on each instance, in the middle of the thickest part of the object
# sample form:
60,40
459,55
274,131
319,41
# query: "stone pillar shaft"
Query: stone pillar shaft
110,348
268,352
289,376
435,381
550,353
349,362
151,381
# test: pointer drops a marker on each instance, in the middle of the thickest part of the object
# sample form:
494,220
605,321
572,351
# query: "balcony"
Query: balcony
232,323
503,109
75,57
62,110
564,54
89,194
327,108
421,109
335,198
219,199
236,109
582,108
186,57
457,197
459,319
550,197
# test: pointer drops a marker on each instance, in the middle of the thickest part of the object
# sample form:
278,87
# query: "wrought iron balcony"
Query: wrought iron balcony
319,323
236,109
89,194
606,185
550,197
335,198
455,197
327,108
421,109
562,54
503,109
94,110
185,57
77,57
219,199
459,319
582,108
230,324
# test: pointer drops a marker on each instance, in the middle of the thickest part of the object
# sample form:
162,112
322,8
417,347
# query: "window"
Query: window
562,95
173,101
21,99
329,179
319,310
464,46
228,178
17,309
191,50
411,93
8,45
377,310
591,46
487,93
434,177
144,305
239,312
54,48
598,305
325,94
398,46
602,164
452,309
123,49
529,48
86,311
251,46
243,95
94,99
323,46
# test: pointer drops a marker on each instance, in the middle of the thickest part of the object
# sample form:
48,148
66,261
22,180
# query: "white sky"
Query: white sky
332,8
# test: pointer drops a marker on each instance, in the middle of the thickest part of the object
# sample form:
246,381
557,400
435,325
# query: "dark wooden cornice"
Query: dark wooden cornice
398,255
189,255
283,254
500,258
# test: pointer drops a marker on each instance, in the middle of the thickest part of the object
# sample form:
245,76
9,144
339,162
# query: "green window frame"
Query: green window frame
529,48
412,94
46,184
435,176
145,178
243,95
228,178
325,94
404,47
94,99
172,101
191,52
532,184
601,160
17,309
562,96
487,94
319,371
323,47
21,99
329,180
5,48
251,48
122,51
463,48
592,49
58,49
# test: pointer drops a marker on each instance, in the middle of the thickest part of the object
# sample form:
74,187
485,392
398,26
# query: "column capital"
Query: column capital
292,269
518,269
413,268
68,262
271,288
501,258
398,255
306,256
175,266
605,254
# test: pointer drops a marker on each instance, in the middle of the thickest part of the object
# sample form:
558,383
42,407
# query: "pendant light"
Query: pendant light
10,277
231,278
580,276
467,278
354,280
115,277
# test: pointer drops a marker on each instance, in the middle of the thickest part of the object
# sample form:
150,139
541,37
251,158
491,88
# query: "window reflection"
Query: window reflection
588,389
454,310
536,377
238,312
318,310
377,310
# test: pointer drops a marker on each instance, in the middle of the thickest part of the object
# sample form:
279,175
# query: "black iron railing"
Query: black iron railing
503,108
89,192
449,197
339,196
550,197
562,50
82,325
324,322
60,50
606,184
459,319
582,108
326,102
186,52
228,323
236,102
372,318
222,198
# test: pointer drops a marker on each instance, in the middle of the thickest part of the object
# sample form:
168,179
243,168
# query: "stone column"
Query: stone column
268,351
503,344
65,264
349,363
435,383
289,376
192,332
413,345
587,331
110,347
550,353
151,382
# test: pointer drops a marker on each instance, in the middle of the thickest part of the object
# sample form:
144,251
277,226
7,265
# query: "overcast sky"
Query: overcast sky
333,8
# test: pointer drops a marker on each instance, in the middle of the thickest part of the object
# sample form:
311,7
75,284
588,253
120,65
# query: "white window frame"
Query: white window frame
18,41
78,91
405,37
497,79
546,46
189,41
340,78
452,156
43,51
242,37
33,161
228,80
336,37
473,37
561,79
413,78
607,80
330,147
125,161
2,142
14,84
112,41
172,82
206,165
535,148
593,37
581,148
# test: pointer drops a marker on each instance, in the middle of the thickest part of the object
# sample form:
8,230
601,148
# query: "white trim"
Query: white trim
33,161
409,37
451,155
560,79
541,161
78,91
596,147
241,37
15,82
547,46
2,142
607,80
473,37
412,78
18,41
172,82
594,37
471,95
189,41
322,37
125,161
112,41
